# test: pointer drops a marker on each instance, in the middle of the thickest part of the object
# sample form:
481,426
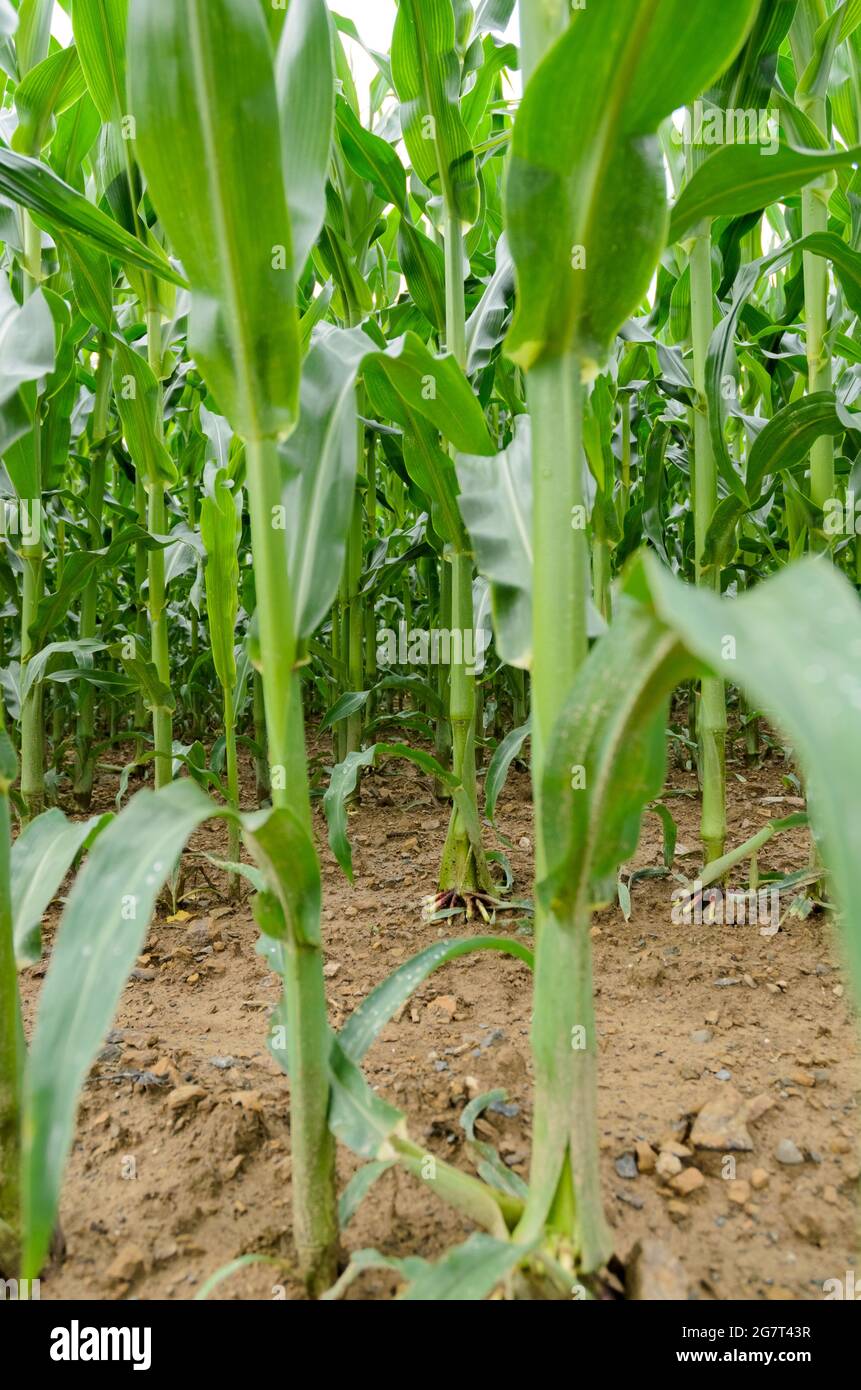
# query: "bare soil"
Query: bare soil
167,1185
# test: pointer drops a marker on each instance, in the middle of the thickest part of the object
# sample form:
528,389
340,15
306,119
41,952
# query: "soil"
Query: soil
181,1161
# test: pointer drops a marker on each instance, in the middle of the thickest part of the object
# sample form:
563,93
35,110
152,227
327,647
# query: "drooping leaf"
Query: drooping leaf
305,83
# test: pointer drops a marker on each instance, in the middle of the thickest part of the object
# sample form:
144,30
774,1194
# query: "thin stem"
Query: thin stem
11,1035
308,1038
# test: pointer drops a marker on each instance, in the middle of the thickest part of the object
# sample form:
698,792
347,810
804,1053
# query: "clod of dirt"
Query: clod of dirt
654,1274
738,1192
128,1263
185,1095
723,1121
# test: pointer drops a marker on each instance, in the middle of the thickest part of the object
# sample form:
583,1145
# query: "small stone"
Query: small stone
803,1078
829,1195
759,1179
653,1273
524,842
183,1096
331,968
193,979
645,1156
668,1165
127,1265
723,1075
702,1035
626,1166
738,1192
788,1153
687,1182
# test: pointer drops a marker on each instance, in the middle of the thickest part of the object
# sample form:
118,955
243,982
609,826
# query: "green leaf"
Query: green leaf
786,440
41,857
305,83
366,1023
285,852
99,27
138,399
496,505
426,75
92,283
48,89
343,782
131,654
586,193
358,1188
742,178
468,1273
58,208
220,529
487,324
215,181
497,772
319,463
101,932
27,340
797,642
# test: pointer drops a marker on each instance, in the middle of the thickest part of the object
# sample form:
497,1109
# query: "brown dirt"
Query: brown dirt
157,1198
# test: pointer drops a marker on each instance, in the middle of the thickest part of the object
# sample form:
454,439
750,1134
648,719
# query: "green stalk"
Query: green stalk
32,718
162,719
261,766
711,722
194,639
355,619
11,1034
83,788
369,613
814,218
232,785
141,573
462,866
315,1214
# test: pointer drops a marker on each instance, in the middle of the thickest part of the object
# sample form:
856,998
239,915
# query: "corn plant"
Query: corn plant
279,368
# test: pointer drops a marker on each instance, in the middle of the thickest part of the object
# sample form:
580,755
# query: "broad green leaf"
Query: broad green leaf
92,283
132,655
101,932
99,27
586,193
741,178
319,463
59,208
305,83
796,640
285,852
138,399
496,505
41,857
202,91
27,340
33,33
358,1188
47,90
786,440
426,74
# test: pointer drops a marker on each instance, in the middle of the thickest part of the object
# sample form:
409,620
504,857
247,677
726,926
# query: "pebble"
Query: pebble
668,1165
687,1182
645,1157
738,1192
702,1035
759,1179
626,1166
787,1152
